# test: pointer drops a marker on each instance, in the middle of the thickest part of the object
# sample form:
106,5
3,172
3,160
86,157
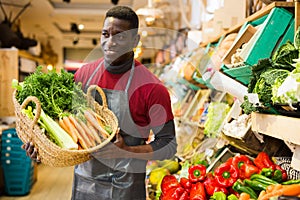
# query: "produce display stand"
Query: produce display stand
280,127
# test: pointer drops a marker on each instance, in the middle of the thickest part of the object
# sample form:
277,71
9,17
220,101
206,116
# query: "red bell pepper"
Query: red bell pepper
229,160
197,173
197,191
168,182
226,174
263,160
211,185
239,160
185,195
246,170
185,183
173,193
284,173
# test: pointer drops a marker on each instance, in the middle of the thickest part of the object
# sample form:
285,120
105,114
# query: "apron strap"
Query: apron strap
130,77
93,74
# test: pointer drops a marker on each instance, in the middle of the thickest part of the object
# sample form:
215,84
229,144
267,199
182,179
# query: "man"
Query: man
140,102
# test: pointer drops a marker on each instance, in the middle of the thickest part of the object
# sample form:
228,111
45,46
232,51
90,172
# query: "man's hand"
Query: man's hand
31,151
116,149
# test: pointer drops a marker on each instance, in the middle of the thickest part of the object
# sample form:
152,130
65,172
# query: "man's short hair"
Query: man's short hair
124,13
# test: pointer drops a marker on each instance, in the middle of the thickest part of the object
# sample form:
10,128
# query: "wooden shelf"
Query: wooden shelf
278,126
255,16
281,127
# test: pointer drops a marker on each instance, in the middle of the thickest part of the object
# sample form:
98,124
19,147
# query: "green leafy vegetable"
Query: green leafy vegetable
248,107
57,92
290,86
297,39
217,112
266,81
284,56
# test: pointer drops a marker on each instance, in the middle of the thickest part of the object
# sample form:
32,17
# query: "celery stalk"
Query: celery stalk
60,136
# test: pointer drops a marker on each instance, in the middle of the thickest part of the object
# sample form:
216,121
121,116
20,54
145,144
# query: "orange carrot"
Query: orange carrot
244,196
81,133
89,135
89,116
94,132
98,118
291,190
70,128
279,190
62,124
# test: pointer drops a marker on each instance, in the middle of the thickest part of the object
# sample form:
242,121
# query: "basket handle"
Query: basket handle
100,91
38,109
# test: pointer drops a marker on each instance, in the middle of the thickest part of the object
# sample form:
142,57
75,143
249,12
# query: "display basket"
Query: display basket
49,153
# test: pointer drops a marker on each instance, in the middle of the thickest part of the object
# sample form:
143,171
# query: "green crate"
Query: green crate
244,79
265,40
259,21
201,81
242,74
238,71
289,34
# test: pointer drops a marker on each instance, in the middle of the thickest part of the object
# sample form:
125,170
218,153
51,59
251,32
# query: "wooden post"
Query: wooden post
297,14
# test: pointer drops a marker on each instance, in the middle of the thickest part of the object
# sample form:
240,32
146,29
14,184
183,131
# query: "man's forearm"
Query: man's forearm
144,152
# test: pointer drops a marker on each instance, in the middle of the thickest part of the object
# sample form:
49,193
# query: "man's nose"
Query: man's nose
111,41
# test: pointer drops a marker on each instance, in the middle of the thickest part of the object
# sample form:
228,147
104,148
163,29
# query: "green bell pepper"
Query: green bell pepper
239,187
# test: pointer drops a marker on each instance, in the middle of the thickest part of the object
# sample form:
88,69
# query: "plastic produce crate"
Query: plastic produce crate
265,40
242,74
17,167
18,180
289,34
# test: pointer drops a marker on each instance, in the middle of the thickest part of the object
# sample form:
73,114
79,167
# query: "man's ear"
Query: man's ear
136,40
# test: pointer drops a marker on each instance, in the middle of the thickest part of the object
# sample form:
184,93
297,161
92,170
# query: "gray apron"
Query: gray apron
101,178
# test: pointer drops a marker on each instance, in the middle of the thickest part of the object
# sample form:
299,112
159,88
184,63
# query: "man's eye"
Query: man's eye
121,36
105,34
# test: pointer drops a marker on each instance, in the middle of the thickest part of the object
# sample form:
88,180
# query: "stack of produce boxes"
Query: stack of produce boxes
17,167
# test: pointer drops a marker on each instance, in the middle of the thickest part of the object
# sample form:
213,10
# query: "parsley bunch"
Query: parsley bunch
57,92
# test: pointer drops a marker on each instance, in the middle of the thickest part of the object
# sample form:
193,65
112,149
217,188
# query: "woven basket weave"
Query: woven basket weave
49,153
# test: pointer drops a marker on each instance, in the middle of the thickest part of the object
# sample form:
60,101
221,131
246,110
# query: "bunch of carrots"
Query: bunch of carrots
87,130
279,190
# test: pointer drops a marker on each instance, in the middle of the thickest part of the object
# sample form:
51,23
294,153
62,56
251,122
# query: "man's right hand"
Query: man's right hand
31,151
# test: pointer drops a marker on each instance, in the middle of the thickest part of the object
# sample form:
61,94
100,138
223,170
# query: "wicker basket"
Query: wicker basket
49,153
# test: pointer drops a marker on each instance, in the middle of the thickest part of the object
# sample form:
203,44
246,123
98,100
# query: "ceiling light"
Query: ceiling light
80,26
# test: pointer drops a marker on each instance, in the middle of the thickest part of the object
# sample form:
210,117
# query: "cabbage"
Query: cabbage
217,112
287,91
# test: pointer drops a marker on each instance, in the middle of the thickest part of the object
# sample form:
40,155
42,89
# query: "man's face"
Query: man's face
117,40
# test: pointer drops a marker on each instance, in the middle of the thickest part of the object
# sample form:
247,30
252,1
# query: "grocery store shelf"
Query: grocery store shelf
278,126
281,127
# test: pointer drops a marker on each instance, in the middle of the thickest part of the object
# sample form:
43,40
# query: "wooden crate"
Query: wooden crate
8,70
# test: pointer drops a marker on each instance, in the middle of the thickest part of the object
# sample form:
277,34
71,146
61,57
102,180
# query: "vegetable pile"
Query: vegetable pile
269,75
65,117
239,178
